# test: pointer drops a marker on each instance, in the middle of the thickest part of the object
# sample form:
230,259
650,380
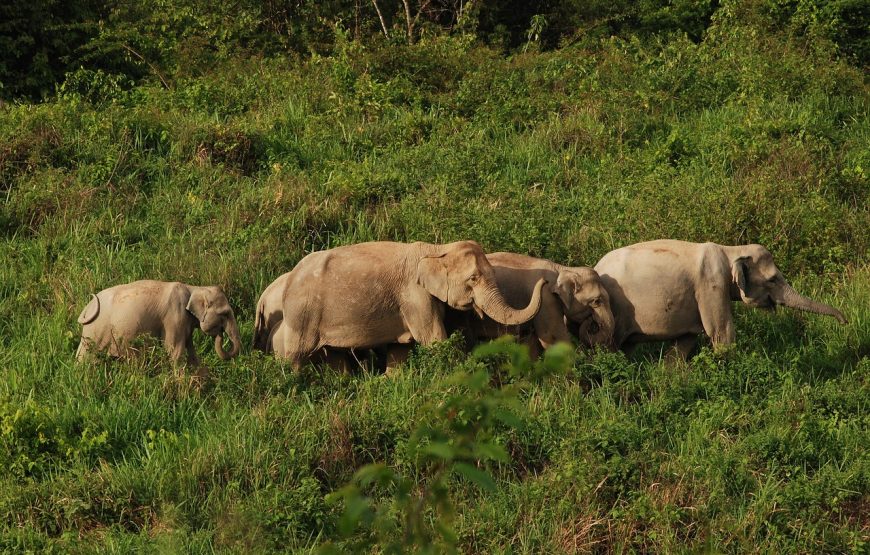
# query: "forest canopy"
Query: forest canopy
42,41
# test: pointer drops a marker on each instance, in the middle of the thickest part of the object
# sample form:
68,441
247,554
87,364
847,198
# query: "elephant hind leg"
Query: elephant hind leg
297,337
683,347
396,355
298,348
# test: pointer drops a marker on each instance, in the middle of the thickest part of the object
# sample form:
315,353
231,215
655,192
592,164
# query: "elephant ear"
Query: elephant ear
432,275
564,289
90,312
738,273
197,304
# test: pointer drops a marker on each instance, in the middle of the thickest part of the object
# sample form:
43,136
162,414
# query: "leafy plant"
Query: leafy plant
457,441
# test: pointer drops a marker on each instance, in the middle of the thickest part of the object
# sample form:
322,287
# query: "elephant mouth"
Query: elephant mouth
593,326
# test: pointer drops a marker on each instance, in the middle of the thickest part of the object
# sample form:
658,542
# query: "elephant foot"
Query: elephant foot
682,350
396,356
200,377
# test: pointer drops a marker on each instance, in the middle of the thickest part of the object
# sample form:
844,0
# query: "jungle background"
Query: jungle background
218,143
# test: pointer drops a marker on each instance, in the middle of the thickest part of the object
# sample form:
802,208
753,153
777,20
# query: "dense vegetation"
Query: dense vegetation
222,157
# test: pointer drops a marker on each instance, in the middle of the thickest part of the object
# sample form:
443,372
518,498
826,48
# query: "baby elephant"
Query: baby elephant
575,299
167,310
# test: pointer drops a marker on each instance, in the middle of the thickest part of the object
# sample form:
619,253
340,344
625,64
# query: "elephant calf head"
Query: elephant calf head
462,277
586,302
210,306
760,284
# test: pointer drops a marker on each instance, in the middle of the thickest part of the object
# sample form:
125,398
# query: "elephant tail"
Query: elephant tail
261,334
90,313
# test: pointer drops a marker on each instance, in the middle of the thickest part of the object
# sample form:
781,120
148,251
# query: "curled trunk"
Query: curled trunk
793,299
232,329
489,298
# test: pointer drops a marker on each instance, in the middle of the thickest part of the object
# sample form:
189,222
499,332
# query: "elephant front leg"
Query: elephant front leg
714,307
181,350
423,317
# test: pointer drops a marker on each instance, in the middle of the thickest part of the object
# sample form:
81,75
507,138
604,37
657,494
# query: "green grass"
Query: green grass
231,177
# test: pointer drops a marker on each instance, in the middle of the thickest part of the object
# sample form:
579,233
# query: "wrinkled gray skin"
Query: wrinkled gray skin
574,296
166,310
674,290
375,294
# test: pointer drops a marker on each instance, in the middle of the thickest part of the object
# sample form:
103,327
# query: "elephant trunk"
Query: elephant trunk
793,299
603,317
489,298
232,329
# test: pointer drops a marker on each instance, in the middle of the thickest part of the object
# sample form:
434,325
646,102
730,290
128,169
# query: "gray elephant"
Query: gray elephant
380,293
574,298
166,310
674,290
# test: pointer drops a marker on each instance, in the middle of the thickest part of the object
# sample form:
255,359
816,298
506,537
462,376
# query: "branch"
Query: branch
423,6
408,20
381,17
149,64
412,24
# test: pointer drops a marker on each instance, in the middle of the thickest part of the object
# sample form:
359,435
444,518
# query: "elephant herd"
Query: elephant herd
389,295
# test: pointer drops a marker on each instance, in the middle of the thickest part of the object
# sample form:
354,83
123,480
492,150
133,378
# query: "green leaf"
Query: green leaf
440,450
376,472
507,417
355,511
446,532
557,359
492,451
474,474
477,380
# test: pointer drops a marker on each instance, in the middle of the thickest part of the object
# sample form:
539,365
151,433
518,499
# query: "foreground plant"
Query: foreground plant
400,513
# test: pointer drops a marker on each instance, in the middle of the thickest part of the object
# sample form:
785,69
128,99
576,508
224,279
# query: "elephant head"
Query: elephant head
758,283
211,308
462,277
586,302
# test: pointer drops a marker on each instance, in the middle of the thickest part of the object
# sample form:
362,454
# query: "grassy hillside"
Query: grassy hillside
231,177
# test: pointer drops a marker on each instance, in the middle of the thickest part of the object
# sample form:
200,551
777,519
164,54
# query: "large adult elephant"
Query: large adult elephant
574,297
380,293
166,310
675,290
